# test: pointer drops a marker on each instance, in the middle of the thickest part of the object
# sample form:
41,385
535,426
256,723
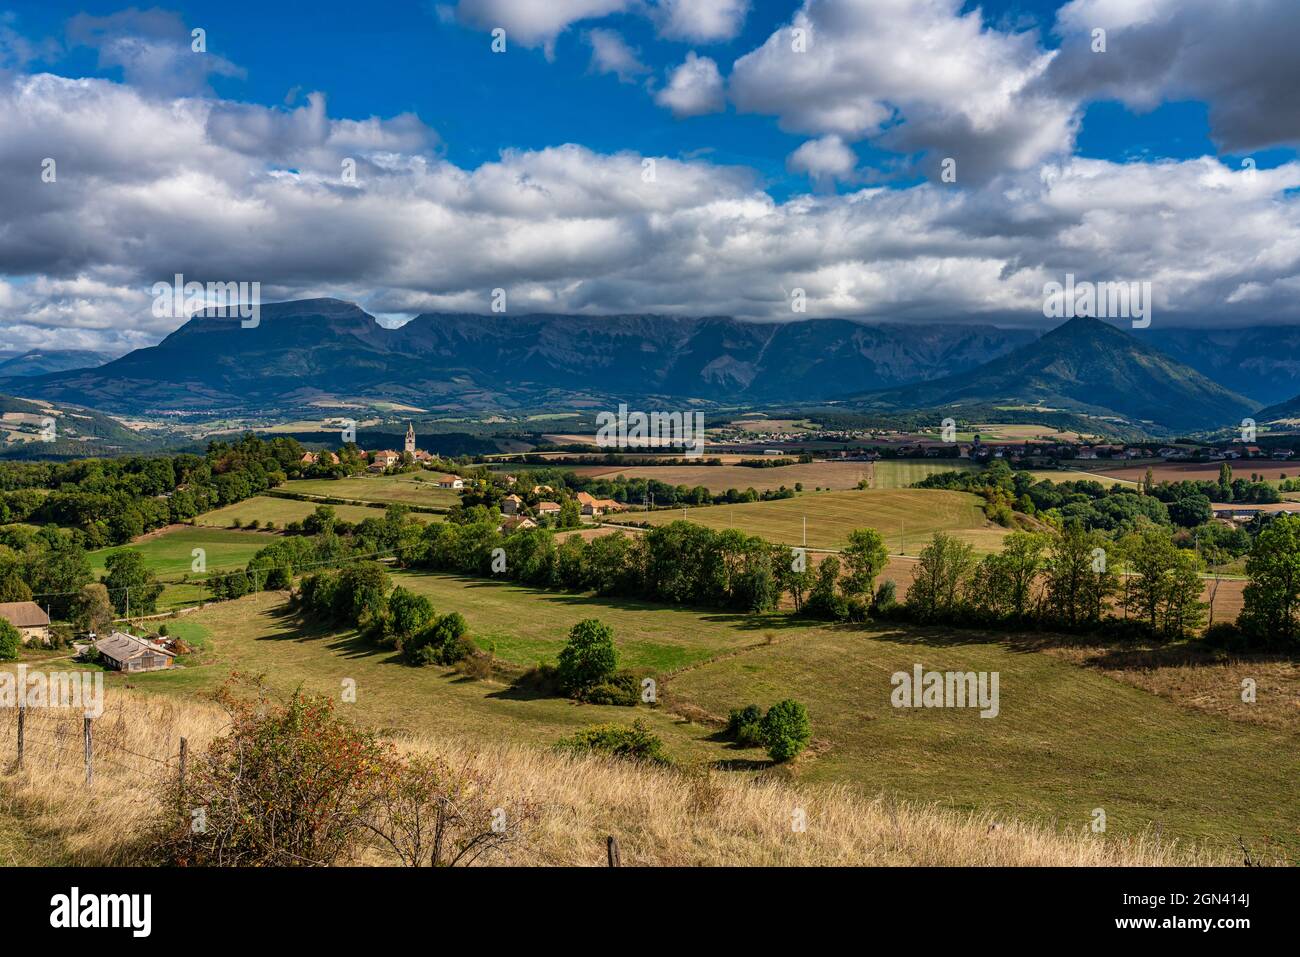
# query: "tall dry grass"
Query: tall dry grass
659,817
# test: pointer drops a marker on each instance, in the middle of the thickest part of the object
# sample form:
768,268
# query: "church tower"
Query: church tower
410,438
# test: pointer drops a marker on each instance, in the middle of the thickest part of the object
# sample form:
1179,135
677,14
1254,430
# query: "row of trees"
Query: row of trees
678,563
1074,580
111,501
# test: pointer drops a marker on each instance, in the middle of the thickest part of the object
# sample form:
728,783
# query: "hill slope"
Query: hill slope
42,361
1089,366
26,428
304,351
1262,362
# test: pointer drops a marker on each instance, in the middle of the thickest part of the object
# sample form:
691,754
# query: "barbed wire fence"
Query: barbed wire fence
57,740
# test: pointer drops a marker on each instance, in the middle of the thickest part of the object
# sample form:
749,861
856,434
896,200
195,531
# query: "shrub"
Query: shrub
588,658
1227,635
636,742
744,726
294,785
278,578
886,596
286,786
541,679
11,641
785,730
443,642
620,688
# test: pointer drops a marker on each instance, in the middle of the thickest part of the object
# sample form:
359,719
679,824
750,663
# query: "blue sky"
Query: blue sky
818,172
389,56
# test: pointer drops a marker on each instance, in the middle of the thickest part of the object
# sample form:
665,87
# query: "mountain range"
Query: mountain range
309,351
41,361
1084,365
325,352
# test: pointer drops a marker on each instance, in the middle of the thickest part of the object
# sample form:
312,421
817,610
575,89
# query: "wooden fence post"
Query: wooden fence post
611,850
185,748
86,736
22,720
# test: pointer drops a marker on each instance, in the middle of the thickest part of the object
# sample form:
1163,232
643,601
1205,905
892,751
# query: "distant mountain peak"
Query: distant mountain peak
1091,366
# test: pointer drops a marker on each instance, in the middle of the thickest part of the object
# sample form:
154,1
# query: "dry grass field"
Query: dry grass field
907,518
661,817
838,476
410,488
282,511
1207,471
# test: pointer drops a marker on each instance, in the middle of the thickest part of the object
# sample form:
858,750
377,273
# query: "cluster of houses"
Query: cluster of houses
513,508
385,459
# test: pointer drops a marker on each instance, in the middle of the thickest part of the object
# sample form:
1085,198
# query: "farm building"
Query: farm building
450,481
128,653
28,617
597,506
548,508
517,523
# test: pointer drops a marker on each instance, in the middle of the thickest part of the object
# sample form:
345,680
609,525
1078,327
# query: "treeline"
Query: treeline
680,563
324,540
633,491
111,501
1116,509
359,596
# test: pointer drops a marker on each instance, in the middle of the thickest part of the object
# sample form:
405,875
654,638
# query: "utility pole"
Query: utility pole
805,531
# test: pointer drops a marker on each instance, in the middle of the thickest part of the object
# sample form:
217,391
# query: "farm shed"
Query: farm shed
128,653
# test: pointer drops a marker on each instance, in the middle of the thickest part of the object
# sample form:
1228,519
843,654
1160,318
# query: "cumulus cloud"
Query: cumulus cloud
699,21
153,48
694,88
920,75
1238,57
148,188
824,159
532,23
611,54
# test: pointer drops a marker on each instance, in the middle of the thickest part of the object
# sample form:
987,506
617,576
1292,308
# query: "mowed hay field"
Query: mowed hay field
170,553
1067,739
413,488
525,626
1208,471
259,635
282,511
830,475
907,518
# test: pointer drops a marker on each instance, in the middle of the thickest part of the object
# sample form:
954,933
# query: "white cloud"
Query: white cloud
535,23
611,54
147,188
917,74
700,21
824,159
694,88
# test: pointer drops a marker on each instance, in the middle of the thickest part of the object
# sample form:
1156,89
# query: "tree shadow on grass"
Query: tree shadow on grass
743,764
347,643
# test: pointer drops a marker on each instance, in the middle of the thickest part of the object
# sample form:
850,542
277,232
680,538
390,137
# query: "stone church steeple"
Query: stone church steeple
410,438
